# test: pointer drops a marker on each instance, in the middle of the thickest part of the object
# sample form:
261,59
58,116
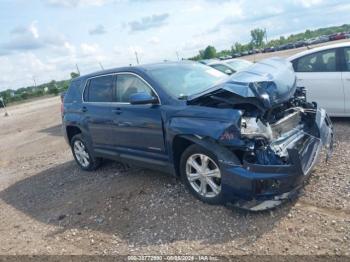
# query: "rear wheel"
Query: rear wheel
201,174
82,155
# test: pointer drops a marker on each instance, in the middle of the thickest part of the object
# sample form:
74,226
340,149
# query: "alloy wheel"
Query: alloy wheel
81,154
203,175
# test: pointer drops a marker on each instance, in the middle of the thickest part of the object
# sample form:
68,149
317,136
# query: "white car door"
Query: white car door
318,73
346,80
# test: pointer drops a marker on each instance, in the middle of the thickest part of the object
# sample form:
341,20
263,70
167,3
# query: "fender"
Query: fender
221,125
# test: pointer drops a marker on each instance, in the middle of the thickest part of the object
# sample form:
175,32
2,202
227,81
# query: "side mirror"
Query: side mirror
142,98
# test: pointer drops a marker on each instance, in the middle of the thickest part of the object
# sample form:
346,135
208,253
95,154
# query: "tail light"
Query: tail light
62,98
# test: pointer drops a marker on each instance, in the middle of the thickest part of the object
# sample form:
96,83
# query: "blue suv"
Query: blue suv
249,139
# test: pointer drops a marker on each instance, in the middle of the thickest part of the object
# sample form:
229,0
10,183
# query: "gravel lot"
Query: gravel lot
49,206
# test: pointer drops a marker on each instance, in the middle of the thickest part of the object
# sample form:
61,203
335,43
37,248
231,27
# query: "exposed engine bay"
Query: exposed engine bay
285,127
275,115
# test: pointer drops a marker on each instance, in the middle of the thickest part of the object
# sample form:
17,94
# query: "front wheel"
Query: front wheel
82,156
201,174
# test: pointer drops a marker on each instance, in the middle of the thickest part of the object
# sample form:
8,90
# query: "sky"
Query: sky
45,39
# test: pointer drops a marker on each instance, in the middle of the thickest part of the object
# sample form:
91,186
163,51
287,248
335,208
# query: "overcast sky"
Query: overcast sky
46,38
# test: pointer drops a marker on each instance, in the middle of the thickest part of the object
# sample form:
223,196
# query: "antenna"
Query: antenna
137,58
77,68
101,66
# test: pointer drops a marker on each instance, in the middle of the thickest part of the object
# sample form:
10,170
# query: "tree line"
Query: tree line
259,41
24,93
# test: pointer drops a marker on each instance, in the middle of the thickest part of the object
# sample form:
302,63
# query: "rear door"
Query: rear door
320,74
346,79
97,109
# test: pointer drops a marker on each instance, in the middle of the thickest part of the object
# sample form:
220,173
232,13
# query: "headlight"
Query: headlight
251,127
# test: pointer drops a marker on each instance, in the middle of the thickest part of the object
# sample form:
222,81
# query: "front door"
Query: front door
346,79
320,75
137,130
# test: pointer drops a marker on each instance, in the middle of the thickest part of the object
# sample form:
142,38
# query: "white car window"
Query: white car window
324,61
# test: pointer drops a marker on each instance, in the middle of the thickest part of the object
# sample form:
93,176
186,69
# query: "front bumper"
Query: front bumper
259,187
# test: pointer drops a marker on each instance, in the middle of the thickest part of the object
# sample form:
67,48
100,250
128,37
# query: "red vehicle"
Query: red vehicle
337,36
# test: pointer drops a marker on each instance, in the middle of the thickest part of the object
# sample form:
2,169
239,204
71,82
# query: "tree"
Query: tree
238,47
74,75
257,35
209,52
308,34
54,91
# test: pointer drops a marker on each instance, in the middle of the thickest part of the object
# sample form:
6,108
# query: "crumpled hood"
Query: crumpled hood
271,81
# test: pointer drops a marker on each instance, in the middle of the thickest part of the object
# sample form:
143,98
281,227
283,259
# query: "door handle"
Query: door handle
84,109
117,111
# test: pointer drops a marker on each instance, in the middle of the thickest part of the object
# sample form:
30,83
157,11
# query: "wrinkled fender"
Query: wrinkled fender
221,125
211,128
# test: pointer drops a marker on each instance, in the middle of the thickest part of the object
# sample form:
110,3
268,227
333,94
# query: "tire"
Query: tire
207,168
89,163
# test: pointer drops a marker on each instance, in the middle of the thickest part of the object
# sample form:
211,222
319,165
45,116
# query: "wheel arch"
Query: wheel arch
181,142
71,131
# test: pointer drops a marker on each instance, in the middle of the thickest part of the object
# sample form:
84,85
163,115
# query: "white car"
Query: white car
238,64
228,66
325,73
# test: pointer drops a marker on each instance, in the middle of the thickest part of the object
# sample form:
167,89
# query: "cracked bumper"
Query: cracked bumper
259,187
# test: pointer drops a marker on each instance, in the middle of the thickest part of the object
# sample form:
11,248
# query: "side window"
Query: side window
221,68
128,84
324,61
100,89
347,58
73,92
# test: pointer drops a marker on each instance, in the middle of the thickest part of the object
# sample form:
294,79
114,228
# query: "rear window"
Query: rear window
100,89
74,92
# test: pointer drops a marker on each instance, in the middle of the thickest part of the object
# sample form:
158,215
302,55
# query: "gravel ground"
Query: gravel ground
49,206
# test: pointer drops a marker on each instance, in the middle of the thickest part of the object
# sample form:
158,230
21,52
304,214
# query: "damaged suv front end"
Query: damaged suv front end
276,141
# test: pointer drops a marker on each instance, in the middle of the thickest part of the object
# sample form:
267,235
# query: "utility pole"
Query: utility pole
177,54
34,89
137,58
34,81
265,35
101,66
77,68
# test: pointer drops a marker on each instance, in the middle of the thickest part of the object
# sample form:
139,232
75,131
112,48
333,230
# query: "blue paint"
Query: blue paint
147,132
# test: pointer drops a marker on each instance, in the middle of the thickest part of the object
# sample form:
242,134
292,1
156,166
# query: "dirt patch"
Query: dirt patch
49,206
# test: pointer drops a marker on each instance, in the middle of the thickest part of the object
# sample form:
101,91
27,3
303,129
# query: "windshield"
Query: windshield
183,80
239,65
